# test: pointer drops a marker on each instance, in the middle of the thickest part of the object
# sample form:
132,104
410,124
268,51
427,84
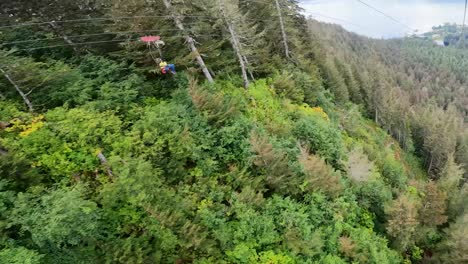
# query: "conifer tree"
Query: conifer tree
335,82
402,221
454,249
433,206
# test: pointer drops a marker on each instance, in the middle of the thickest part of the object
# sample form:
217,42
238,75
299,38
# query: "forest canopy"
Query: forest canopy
275,138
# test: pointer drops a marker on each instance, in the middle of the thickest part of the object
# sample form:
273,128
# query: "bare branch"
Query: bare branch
236,45
18,89
283,31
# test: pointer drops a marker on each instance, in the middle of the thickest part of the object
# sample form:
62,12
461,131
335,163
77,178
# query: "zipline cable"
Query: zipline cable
334,18
111,18
165,16
102,42
386,15
87,20
110,33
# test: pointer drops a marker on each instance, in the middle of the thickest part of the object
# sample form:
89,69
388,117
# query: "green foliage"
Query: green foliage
19,255
461,154
274,164
312,87
115,85
331,259
270,257
319,176
285,86
18,171
374,195
335,82
402,221
103,70
117,163
10,110
66,143
267,109
47,84
57,218
215,106
393,172
7,198
164,138
294,222
358,247
416,253
321,136
128,206
453,249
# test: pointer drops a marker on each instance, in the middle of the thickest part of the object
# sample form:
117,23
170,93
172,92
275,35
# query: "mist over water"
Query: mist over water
420,15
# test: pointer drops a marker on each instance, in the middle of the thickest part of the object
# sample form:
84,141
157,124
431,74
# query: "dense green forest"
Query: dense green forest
279,140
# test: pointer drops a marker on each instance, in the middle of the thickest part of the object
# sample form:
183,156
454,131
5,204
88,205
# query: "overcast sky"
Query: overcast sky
356,17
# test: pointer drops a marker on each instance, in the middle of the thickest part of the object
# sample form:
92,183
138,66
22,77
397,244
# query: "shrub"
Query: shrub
393,172
285,86
373,195
274,163
64,143
20,255
215,106
312,87
267,109
319,176
322,137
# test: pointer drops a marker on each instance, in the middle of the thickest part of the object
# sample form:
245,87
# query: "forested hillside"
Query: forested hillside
278,139
449,34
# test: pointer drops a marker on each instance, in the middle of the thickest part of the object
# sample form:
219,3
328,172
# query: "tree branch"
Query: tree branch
235,44
18,89
283,31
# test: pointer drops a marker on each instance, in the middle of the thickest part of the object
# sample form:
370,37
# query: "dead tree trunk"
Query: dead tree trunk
190,41
237,48
235,44
18,89
248,68
283,31
104,163
463,35
430,164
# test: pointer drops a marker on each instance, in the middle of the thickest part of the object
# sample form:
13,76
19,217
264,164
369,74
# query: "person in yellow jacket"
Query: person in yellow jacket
163,66
167,67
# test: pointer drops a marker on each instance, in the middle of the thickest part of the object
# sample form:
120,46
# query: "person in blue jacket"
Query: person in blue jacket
167,67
